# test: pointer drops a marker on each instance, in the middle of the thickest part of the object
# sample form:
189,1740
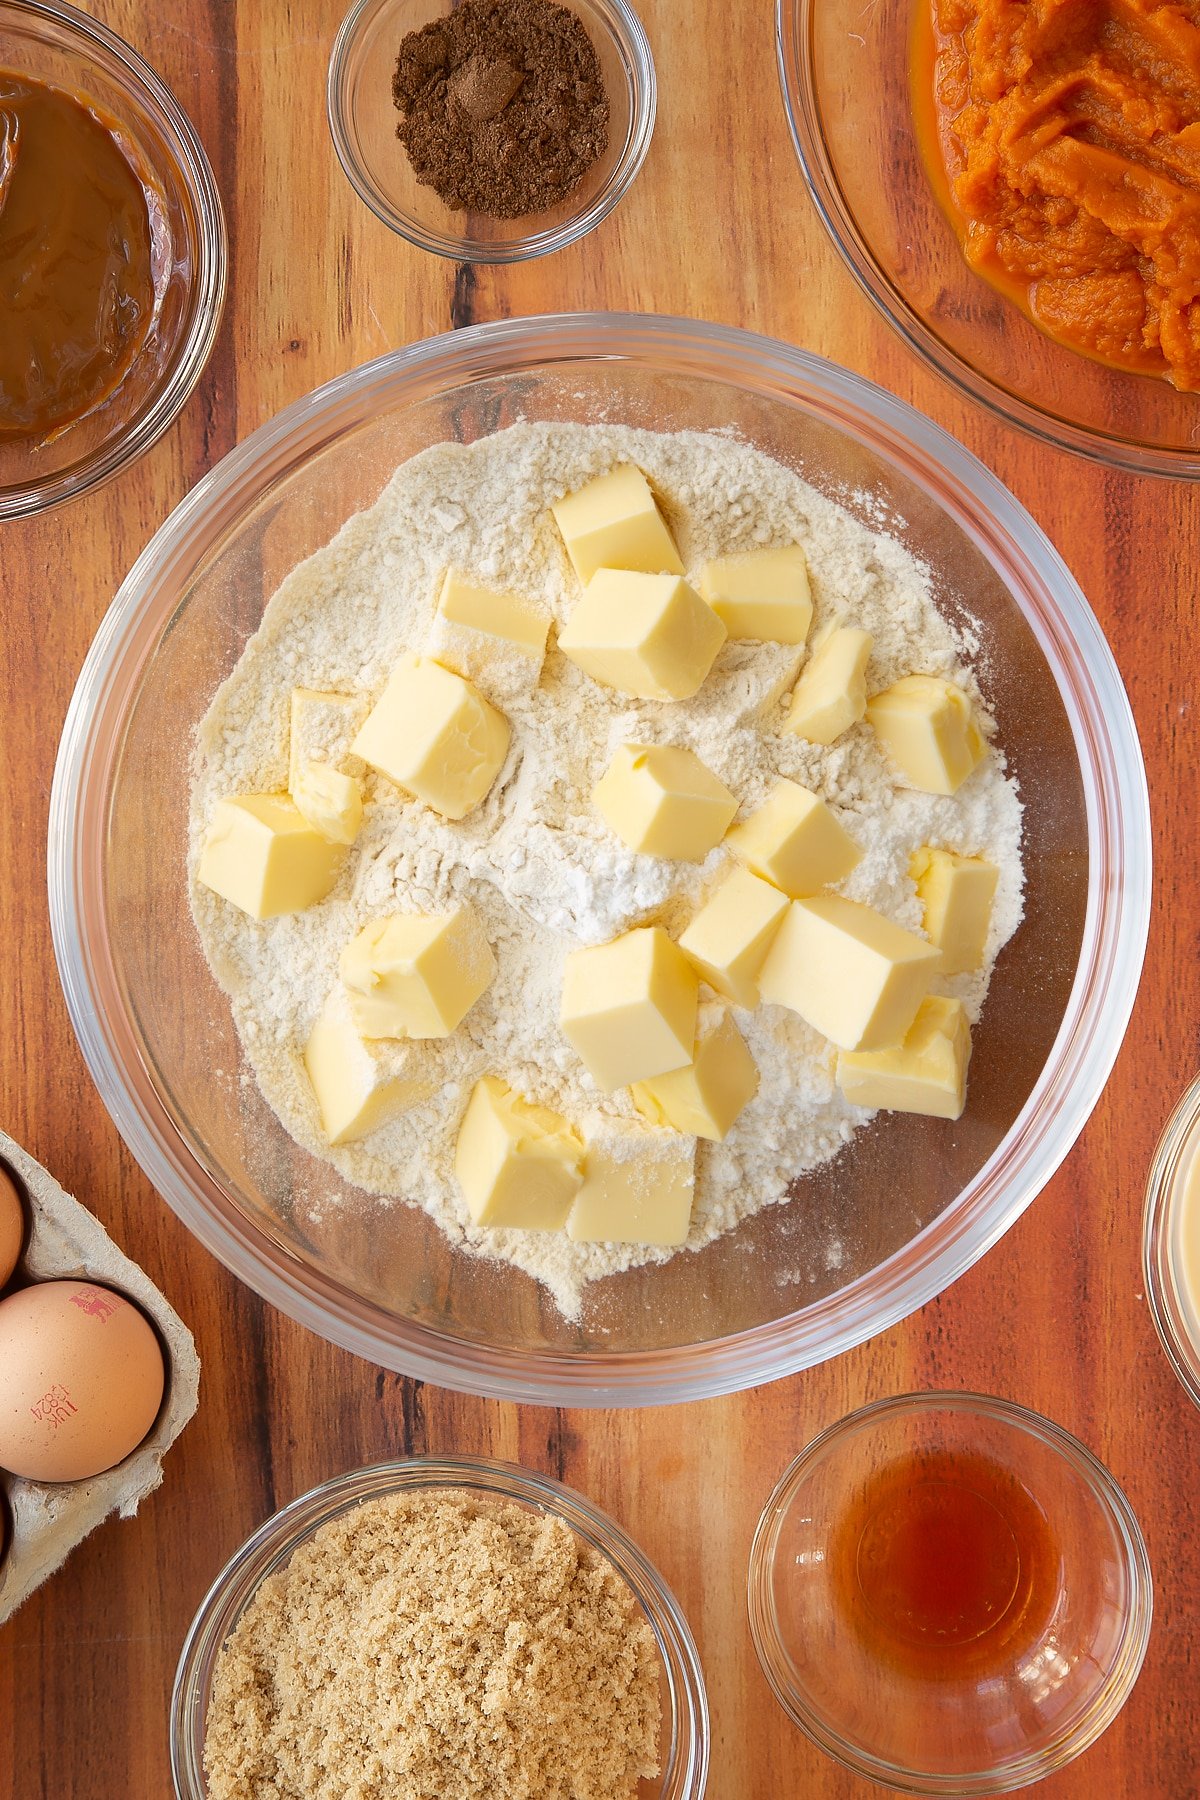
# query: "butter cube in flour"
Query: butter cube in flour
330,801
927,1073
647,635
794,841
432,733
638,1185
662,801
264,856
518,1165
360,1086
956,893
706,1097
761,594
629,1007
831,694
614,523
728,939
853,975
416,975
495,639
323,727
928,728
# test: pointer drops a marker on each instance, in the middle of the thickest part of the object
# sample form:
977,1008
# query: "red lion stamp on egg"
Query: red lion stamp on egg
96,1303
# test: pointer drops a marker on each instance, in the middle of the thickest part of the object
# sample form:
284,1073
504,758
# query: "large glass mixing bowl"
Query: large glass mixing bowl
910,1204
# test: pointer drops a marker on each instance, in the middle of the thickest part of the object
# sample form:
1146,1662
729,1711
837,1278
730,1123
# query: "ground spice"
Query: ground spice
440,1645
504,105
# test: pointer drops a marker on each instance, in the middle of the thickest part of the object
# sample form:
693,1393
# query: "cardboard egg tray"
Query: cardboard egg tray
49,1519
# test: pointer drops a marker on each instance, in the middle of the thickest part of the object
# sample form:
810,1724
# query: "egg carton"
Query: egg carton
48,1519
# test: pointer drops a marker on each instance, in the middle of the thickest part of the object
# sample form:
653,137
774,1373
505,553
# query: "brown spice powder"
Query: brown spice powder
504,105
437,1647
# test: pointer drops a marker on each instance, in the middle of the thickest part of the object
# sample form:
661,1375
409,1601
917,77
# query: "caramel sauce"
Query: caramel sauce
78,253
945,1566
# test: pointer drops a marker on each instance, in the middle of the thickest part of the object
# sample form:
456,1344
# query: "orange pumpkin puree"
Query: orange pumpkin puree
1069,134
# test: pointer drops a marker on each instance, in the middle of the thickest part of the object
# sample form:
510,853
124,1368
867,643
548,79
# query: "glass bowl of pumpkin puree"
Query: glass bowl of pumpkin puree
112,255
1017,189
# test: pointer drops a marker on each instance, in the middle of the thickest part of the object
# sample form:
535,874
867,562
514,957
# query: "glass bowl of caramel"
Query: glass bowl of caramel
112,255
365,89
873,96
949,1594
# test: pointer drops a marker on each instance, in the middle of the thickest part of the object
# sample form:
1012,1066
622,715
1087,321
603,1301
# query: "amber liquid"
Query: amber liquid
945,1565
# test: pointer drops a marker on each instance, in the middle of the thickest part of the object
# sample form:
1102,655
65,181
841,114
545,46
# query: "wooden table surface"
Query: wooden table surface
718,226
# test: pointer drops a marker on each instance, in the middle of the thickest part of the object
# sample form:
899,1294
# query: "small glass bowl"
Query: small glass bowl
684,1748
363,119
845,71
1174,1171
52,42
982,1733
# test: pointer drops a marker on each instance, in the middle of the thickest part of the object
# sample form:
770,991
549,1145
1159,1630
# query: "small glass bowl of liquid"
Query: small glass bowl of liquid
949,1594
1171,1239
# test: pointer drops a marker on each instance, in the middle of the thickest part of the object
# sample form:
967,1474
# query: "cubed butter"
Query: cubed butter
262,854
706,1097
629,1007
323,727
330,801
510,617
647,635
761,594
928,728
496,640
518,1165
661,800
638,1185
416,975
956,893
795,842
853,975
728,939
432,733
360,1086
614,523
927,1073
831,694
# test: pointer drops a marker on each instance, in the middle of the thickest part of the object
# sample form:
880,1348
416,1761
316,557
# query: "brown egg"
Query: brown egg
12,1225
81,1380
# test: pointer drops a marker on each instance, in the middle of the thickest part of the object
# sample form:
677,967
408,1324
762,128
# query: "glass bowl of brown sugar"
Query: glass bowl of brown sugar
554,1590
491,134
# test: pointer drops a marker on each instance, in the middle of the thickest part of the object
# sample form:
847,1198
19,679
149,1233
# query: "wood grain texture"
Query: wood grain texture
717,226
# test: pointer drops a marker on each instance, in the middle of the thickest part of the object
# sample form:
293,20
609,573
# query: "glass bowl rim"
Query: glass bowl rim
1180,1135
628,32
1111,769
793,59
126,65
1101,1484
274,1541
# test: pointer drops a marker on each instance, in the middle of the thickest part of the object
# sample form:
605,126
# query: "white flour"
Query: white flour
536,860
